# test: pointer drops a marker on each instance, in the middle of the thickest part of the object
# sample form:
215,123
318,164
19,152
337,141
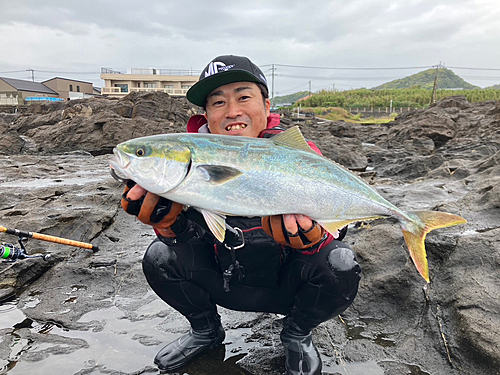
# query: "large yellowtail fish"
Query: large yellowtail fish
226,175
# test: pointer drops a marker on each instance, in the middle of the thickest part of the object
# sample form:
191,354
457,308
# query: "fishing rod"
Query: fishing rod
11,253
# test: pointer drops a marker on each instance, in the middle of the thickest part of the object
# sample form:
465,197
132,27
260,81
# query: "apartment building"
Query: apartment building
173,82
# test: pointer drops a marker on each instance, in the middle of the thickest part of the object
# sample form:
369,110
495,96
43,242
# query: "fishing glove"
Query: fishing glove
274,227
153,210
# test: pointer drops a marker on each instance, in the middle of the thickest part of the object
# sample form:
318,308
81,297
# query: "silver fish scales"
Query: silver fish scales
224,175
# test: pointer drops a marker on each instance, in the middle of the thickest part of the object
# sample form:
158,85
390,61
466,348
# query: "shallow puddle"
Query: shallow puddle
360,368
118,344
114,344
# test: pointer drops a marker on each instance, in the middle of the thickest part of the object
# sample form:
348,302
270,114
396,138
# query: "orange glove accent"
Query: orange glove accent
153,210
274,227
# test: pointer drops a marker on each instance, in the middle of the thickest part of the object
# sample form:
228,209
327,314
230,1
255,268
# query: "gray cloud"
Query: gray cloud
84,36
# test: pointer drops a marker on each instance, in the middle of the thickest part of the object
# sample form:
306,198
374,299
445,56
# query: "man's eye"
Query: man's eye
218,102
244,97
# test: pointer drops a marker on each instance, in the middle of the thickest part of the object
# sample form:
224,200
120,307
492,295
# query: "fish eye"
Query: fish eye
140,152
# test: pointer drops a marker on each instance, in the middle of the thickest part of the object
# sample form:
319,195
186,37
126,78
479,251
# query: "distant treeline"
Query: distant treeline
411,97
292,98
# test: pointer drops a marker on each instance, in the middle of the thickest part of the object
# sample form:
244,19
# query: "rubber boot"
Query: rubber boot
187,347
301,356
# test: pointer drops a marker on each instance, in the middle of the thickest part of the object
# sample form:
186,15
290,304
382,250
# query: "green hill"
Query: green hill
292,98
415,97
447,79
494,87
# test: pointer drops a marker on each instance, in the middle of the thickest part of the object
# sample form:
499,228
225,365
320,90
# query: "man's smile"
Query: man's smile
235,126
237,108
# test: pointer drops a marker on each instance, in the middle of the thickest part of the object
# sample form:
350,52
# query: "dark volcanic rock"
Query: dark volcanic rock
331,139
97,313
10,142
96,125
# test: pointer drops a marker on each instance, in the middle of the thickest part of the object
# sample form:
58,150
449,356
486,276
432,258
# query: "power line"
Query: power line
294,89
54,71
379,68
458,67
344,68
14,71
297,66
48,71
484,78
336,78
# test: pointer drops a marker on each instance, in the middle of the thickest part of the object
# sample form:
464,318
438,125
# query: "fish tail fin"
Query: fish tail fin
415,236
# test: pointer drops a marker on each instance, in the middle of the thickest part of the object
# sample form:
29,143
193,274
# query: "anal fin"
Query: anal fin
333,226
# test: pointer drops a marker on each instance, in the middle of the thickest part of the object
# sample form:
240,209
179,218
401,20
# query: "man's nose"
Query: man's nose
233,109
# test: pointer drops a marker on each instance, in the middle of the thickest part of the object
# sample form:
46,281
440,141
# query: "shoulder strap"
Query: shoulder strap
268,133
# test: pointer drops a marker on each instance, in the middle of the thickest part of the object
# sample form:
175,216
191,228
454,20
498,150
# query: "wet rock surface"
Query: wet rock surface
92,313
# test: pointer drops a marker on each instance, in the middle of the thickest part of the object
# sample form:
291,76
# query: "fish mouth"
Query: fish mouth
235,127
118,164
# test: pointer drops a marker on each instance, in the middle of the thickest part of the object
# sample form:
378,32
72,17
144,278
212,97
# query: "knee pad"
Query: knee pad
159,256
347,271
343,259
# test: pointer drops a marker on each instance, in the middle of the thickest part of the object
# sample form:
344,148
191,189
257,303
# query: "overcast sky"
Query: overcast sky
74,39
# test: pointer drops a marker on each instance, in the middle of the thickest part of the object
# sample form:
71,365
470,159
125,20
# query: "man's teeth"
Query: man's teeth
236,127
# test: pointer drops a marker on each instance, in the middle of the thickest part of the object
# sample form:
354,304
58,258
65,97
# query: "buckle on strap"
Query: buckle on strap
240,236
235,266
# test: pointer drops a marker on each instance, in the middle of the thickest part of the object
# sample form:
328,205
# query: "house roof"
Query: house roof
22,85
66,79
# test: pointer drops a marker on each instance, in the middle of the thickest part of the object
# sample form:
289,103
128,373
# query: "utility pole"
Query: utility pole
309,87
272,85
434,88
32,74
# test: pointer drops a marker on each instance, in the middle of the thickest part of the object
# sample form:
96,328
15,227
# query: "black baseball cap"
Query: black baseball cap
223,70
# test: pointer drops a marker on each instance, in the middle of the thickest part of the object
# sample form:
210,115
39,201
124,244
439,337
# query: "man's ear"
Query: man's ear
268,107
206,118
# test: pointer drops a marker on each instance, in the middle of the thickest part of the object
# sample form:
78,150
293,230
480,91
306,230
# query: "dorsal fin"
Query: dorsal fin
292,138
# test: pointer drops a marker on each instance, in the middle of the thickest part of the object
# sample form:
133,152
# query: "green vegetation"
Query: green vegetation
292,98
337,114
412,97
414,92
446,79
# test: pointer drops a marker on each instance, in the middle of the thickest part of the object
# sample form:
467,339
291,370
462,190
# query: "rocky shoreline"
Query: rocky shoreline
93,313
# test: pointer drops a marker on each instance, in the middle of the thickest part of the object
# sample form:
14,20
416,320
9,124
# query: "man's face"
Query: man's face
237,109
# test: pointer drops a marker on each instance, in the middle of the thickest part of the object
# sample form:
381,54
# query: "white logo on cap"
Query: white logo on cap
216,66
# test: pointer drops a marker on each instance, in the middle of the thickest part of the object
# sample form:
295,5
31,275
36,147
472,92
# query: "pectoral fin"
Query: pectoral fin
216,223
219,174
